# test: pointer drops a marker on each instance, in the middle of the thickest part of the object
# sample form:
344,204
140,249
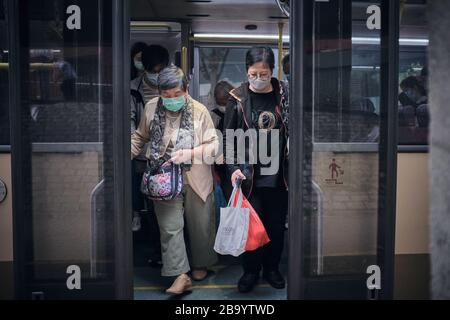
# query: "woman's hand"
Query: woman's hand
182,156
237,174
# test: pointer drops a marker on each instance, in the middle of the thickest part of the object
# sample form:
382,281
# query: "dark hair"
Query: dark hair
135,49
260,54
154,55
286,60
172,77
222,87
413,83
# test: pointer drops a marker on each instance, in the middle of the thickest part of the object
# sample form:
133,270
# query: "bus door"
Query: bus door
343,148
69,66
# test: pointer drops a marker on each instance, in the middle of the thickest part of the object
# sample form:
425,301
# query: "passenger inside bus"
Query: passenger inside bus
136,65
172,124
143,89
261,99
413,108
221,96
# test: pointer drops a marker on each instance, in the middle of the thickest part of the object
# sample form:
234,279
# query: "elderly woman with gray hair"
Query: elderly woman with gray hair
180,130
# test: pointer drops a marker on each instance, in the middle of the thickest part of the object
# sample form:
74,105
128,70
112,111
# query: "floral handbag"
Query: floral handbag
163,184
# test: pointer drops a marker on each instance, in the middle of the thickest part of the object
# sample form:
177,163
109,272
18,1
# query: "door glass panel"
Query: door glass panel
68,132
4,94
341,189
413,113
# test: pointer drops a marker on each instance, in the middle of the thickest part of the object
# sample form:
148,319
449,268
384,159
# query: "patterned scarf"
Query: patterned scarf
284,92
185,139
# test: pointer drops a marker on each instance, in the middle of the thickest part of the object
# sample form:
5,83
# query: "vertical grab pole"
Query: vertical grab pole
280,50
184,60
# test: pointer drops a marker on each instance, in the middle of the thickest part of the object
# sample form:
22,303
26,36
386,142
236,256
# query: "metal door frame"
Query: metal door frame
301,21
123,239
16,71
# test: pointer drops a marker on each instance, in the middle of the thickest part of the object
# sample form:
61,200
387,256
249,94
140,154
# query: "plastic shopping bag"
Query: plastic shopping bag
257,236
232,234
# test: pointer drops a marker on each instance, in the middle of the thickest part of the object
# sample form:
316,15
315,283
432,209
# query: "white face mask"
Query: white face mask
222,108
152,78
259,84
138,64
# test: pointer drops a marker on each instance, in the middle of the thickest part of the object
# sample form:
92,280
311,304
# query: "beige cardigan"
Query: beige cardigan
199,177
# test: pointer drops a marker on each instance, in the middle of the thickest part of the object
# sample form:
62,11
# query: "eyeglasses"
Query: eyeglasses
260,76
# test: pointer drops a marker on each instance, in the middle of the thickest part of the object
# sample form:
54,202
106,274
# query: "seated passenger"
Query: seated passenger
413,93
423,116
174,112
406,116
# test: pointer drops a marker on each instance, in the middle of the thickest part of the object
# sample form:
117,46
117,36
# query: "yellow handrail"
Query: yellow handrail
184,60
280,50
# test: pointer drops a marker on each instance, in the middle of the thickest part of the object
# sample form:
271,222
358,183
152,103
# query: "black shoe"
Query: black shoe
247,282
275,279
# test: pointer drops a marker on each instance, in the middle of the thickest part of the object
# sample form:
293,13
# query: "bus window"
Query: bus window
347,106
413,91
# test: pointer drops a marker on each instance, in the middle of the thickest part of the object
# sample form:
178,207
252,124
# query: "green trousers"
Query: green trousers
189,210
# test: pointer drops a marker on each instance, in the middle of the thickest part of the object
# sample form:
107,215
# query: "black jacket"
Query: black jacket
238,116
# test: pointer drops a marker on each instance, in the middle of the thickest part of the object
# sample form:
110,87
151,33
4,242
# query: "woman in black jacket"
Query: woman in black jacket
260,108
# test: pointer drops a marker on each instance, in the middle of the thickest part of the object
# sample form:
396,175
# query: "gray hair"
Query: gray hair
172,77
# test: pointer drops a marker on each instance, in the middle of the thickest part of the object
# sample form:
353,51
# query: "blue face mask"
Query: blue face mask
288,77
174,104
152,78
